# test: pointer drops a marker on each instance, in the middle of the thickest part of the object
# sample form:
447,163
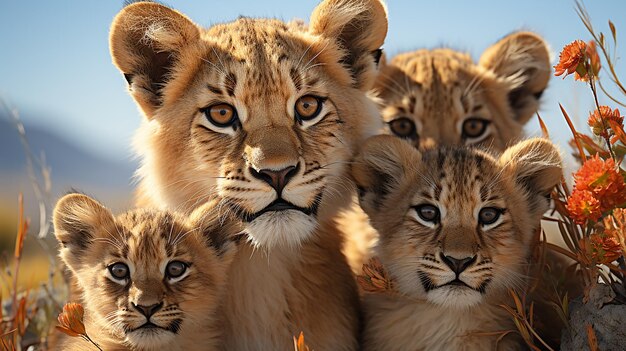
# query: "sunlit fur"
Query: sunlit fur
92,239
438,89
260,67
394,178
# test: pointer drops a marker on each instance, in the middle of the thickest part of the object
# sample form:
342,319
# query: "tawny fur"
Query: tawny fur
291,276
437,90
394,179
92,240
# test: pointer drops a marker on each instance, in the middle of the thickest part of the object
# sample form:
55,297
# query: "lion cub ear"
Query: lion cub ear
360,28
380,168
146,40
77,220
220,229
536,166
522,59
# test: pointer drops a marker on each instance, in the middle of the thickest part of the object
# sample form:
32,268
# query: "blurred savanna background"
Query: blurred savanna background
56,75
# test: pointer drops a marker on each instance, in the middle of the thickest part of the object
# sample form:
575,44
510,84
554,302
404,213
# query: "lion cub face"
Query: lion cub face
146,276
442,96
456,225
263,113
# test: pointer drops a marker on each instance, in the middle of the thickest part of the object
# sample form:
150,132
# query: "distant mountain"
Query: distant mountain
69,163
71,168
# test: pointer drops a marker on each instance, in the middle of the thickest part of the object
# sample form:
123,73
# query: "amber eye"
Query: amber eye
175,269
428,213
474,127
221,115
119,271
403,127
489,215
308,107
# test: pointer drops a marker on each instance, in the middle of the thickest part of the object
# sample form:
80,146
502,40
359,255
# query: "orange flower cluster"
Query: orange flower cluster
598,187
580,58
600,121
604,248
582,206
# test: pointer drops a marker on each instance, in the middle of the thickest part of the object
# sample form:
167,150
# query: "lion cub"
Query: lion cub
150,280
443,97
456,228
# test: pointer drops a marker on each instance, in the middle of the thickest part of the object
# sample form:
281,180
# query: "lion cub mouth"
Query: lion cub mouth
150,327
279,205
456,282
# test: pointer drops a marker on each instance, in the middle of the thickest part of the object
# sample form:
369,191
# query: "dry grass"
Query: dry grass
31,288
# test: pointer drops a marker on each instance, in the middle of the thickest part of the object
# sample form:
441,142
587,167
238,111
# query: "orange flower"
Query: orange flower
603,180
583,206
605,248
592,63
599,121
572,55
375,278
580,58
71,320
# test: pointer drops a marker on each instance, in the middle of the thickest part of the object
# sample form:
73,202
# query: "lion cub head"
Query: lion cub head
456,225
441,96
262,112
148,278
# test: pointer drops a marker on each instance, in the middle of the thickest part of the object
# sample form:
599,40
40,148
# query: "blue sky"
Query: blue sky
55,65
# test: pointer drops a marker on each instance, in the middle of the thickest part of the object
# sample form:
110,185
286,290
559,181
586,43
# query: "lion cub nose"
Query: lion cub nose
148,311
277,179
458,265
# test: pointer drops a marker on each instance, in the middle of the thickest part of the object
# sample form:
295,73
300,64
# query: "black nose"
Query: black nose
148,311
276,179
458,265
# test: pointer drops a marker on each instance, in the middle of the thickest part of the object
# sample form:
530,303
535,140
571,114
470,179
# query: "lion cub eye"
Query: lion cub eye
308,107
489,215
119,271
175,269
428,213
221,115
474,128
403,127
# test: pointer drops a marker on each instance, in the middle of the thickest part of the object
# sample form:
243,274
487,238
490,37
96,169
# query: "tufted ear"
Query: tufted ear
77,220
145,41
536,165
360,28
219,229
523,60
380,167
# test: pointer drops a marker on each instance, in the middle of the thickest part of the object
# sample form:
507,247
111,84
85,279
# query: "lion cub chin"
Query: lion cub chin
149,280
456,230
